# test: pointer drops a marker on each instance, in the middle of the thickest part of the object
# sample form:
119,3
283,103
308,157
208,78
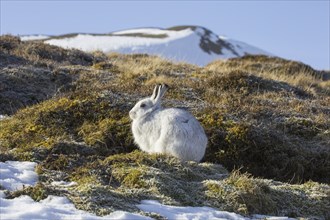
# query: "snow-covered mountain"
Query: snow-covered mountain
191,44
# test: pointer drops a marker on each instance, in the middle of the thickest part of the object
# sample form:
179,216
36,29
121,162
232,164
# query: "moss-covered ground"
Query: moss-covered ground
267,120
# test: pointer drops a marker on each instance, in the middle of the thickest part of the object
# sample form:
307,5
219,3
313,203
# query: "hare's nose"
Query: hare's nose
132,114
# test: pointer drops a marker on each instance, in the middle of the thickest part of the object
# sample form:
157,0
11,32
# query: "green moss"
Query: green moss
108,66
246,195
129,177
91,119
253,193
108,132
136,157
226,137
305,128
246,145
85,177
37,192
57,162
259,63
240,193
134,179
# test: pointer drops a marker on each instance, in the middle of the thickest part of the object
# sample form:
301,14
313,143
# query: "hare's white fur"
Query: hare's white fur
169,131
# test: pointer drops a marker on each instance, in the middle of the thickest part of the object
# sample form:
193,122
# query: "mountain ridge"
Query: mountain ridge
192,44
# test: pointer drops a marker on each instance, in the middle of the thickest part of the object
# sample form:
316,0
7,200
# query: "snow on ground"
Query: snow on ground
33,37
14,174
265,217
180,46
108,44
176,212
242,48
194,213
53,207
63,184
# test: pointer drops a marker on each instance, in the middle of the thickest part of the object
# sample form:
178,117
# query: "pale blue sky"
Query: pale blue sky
297,30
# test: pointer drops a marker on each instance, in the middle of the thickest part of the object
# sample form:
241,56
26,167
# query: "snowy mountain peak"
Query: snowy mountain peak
192,44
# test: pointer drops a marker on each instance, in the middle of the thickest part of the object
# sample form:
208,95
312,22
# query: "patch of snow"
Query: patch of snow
197,213
3,117
266,217
199,31
63,183
222,37
187,213
33,37
53,207
15,174
243,48
2,195
108,44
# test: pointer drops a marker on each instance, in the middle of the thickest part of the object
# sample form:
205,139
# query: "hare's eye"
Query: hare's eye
143,105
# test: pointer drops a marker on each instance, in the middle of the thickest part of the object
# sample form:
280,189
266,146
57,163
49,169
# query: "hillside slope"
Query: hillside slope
192,44
263,115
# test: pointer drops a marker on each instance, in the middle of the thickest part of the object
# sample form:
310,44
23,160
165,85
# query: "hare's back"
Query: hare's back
176,114
180,119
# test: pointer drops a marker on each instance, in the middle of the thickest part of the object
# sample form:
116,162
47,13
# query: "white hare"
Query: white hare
169,131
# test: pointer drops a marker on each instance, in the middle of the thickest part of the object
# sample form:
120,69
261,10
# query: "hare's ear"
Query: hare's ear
161,92
155,92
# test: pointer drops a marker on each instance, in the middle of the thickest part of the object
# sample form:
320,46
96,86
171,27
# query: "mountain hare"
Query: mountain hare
169,131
